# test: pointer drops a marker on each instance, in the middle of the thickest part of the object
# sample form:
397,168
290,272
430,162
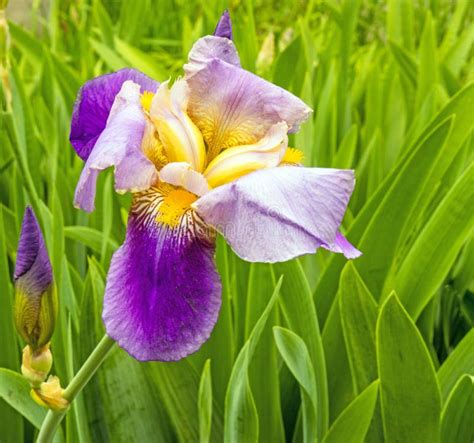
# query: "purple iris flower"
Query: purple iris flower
206,154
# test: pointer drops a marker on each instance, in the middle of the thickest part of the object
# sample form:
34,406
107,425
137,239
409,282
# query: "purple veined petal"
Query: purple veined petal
219,45
224,26
93,103
163,293
208,48
277,214
342,245
32,268
119,145
232,106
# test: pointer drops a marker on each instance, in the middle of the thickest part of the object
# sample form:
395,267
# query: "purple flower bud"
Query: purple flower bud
35,308
224,26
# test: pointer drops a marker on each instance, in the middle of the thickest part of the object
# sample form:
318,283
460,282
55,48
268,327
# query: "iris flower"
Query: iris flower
206,154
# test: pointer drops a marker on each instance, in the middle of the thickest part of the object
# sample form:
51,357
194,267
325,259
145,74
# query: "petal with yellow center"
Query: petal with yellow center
181,138
241,160
152,146
292,156
119,145
234,107
163,292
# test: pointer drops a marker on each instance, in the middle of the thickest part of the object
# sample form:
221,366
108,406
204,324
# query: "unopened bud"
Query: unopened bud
35,308
50,395
36,365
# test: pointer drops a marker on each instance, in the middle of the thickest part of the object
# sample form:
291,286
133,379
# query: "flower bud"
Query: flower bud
35,308
50,395
36,365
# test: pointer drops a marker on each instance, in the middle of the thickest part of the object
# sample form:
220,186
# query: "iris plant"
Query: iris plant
206,154
35,313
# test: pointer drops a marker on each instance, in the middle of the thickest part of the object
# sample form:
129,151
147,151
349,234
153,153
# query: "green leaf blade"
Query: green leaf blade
410,397
456,419
353,423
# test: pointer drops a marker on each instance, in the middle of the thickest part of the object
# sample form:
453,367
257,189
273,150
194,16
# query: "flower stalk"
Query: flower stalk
36,364
77,384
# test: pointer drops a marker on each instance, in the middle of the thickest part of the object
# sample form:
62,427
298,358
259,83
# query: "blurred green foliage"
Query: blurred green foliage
391,88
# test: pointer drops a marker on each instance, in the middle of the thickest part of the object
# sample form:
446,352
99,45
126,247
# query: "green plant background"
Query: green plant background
378,349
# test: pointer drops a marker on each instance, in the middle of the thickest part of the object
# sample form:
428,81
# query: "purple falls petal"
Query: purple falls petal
163,293
241,105
224,26
119,145
277,214
93,104
33,268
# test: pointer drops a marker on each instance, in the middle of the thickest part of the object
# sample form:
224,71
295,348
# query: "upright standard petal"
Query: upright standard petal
35,306
119,145
93,105
208,48
224,26
277,214
219,46
234,107
163,293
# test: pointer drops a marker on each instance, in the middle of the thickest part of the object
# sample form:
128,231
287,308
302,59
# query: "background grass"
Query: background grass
389,83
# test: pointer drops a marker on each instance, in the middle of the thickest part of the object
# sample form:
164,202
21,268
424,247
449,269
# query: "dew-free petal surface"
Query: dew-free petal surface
232,106
163,293
277,214
93,105
119,145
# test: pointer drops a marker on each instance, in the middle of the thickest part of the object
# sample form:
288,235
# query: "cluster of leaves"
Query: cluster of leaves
377,349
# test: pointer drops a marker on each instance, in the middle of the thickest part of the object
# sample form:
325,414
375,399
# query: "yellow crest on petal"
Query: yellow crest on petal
152,146
174,205
293,156
164,203
146,100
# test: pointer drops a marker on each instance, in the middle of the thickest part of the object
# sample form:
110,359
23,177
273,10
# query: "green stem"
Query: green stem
79,381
